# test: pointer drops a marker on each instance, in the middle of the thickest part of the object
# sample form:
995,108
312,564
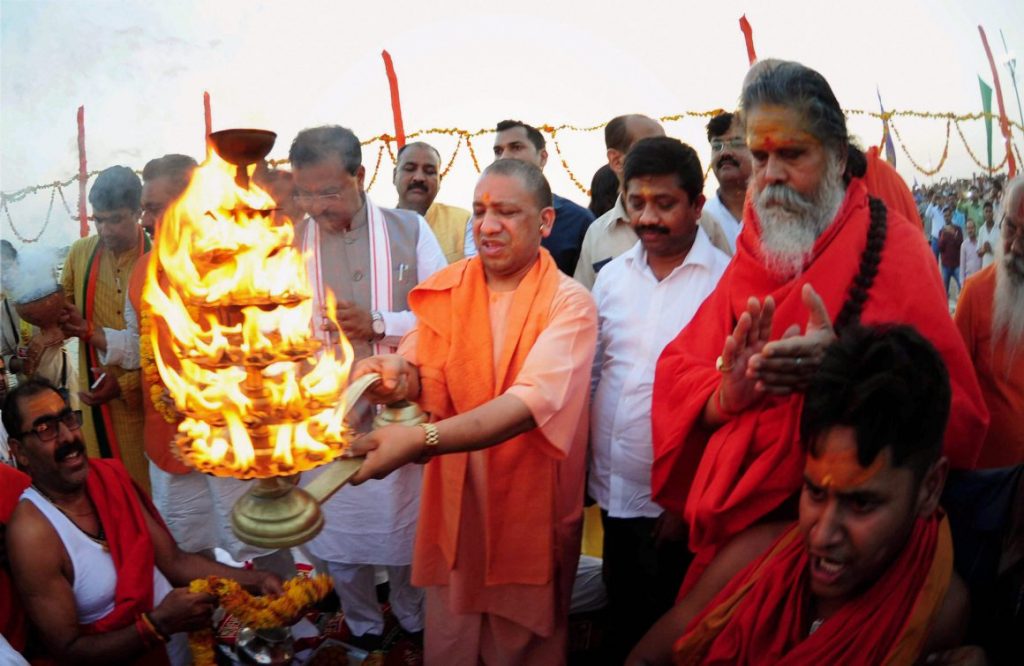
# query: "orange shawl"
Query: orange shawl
455,354
762,616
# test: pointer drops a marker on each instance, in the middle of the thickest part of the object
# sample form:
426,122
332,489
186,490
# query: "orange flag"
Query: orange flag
748,36
396,103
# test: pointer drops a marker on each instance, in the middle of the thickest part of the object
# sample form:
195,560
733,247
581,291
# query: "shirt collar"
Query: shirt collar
702,253
619,215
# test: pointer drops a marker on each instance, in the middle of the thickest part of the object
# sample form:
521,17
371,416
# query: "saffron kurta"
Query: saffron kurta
107,310
495,569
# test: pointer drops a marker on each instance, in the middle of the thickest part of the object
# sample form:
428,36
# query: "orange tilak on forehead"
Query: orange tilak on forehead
773,127
486,198
837,468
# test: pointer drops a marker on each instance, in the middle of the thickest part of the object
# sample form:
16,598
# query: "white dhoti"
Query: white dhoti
368,526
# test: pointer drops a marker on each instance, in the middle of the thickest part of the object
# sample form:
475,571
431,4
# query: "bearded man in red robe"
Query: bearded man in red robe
816,254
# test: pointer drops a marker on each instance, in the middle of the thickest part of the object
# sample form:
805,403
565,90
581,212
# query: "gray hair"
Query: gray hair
792,85
316,144
529,175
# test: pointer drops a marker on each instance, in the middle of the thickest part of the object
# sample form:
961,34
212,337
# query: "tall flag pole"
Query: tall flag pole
1004,124
986,107
890,148
396,103
748,37
83,176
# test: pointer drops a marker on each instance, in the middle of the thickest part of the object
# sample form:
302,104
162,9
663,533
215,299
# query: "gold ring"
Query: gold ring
722,367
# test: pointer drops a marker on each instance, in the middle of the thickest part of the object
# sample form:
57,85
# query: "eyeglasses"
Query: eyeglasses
46,429
306,199
717,145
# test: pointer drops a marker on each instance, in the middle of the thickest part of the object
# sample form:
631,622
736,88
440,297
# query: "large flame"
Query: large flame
230,293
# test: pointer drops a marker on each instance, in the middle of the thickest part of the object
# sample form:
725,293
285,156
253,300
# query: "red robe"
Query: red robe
727,480
12,615
763,615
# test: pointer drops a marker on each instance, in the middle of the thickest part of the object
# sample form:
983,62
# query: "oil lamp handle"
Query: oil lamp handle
358,387
334,476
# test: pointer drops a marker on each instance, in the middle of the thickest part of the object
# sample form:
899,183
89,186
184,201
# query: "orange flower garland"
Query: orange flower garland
257,612
150,372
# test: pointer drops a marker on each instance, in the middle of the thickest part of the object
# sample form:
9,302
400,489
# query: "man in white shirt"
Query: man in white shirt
730,160
988,236
644,297
611,234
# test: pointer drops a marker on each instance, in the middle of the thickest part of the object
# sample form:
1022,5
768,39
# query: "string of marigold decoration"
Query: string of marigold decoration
465,136
257,612
970,152
376,168
903,147
158,395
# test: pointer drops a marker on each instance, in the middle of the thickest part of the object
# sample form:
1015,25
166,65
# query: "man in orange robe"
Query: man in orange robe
815,254
990,316
866,575
501,360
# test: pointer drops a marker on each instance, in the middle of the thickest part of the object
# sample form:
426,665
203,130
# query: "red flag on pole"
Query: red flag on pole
748,36
208,120
83,176
396,103
1004,123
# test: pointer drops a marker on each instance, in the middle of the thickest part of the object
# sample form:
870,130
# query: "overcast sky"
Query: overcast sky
140,69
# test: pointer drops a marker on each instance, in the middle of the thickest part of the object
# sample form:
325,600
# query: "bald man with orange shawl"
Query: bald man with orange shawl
500,359
866,574
815,255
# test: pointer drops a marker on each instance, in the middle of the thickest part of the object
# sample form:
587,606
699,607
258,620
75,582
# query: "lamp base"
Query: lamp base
274,513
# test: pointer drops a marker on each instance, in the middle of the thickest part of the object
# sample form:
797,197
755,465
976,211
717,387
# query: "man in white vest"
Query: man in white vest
370,258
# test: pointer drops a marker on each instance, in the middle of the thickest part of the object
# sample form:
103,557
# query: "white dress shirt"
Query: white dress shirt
717,209
638,316
992,237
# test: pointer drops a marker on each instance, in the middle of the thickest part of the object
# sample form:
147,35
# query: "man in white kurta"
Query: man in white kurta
370,258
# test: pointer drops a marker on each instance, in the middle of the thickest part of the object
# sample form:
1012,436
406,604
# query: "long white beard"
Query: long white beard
792,222
1008,303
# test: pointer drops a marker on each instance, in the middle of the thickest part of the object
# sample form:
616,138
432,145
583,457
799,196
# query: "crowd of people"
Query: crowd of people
798,454
960,220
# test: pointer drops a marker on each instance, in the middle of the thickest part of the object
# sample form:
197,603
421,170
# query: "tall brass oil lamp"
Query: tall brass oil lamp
262,398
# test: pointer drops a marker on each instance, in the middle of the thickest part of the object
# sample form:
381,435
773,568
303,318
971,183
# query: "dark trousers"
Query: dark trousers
641,578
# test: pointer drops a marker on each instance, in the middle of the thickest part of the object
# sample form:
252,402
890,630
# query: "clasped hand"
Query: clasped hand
753,365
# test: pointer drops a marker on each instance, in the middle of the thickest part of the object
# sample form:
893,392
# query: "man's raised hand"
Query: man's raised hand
785,366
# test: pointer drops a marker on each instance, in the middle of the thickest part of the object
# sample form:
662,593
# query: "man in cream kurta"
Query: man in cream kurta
370,258
500,358
95,280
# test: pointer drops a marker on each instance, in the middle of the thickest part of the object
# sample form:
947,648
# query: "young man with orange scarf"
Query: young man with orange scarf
501,359
99,574
866,574
817,253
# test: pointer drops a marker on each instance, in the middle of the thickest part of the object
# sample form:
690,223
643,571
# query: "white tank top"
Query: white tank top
93,567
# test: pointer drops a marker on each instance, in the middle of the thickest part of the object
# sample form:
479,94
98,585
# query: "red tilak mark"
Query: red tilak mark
768,143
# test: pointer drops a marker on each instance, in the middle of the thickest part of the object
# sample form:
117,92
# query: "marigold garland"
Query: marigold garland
903,147
150,372
257,612
970,152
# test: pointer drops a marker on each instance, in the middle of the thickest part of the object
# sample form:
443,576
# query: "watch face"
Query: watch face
378,326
